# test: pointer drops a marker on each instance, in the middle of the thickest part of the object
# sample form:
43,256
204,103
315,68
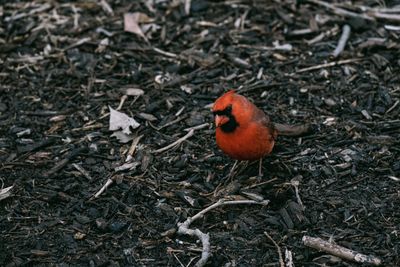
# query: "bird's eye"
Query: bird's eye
228,109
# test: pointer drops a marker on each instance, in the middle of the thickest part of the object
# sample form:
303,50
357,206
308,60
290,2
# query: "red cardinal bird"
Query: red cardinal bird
245,132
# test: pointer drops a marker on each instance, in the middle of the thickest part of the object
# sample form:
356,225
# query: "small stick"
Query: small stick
177,142
132,149
197,127
106,7
295,182
394,178
260,184
78,43
392,107
341,11
164,53
178,119
89,126
183,228
340,251
316,39
82,171
121,102
330,64
343,40
281,262
110,180
391,17
187,6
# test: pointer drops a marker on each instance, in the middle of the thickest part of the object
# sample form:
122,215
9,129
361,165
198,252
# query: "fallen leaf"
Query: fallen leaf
131,24
119,120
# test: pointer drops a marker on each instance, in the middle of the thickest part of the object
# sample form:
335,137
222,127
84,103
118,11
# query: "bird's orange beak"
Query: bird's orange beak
220,120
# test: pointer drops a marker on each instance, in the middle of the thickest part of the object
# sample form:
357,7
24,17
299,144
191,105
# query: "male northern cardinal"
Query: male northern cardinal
245,132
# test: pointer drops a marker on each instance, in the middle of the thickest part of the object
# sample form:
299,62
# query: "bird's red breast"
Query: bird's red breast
244,132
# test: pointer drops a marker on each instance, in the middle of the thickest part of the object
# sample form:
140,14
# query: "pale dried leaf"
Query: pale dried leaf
119,120
131,23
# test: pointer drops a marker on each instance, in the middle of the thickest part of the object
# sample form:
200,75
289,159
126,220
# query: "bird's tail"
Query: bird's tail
292,130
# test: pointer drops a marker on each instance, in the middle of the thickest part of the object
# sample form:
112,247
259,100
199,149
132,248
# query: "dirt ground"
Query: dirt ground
64,63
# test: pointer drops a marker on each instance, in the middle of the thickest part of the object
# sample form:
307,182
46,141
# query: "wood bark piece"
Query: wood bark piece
62,163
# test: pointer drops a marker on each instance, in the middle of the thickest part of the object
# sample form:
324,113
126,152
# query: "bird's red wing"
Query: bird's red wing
262,118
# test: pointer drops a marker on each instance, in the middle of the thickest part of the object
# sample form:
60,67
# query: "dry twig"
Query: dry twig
103,188
295,182
391,17
340,11
342,41
110,180
132,149
82,171
197,127
177,142
183,228
330,64
371,14
340,251
281,262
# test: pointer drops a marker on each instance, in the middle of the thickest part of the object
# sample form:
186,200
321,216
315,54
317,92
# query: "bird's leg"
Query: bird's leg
260,172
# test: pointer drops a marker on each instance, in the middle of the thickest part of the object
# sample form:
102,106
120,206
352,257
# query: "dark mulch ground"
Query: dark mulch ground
63,64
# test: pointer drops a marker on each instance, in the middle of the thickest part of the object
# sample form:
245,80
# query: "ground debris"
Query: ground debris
81,197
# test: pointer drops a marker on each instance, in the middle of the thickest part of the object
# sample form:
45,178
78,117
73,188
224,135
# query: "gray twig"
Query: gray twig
340,11
342,41
183,228
177,142
281,262
340,251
